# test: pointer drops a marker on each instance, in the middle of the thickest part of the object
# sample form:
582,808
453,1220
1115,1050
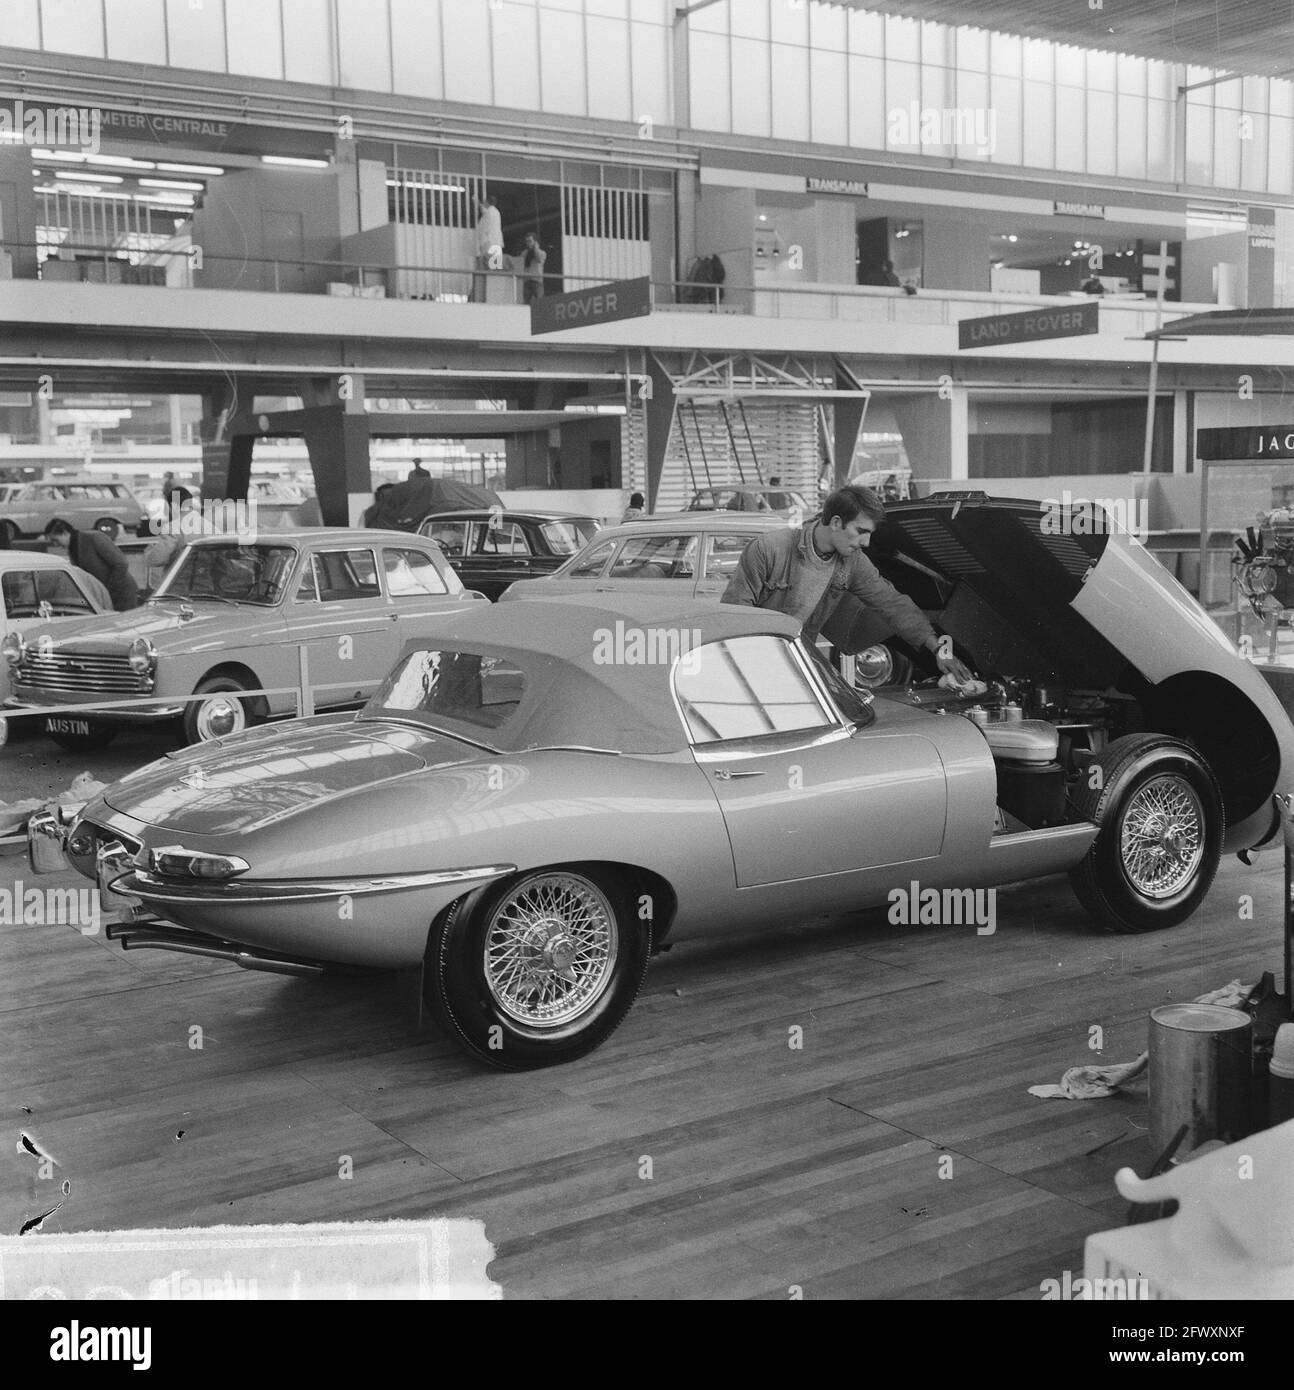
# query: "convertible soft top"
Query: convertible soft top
598,677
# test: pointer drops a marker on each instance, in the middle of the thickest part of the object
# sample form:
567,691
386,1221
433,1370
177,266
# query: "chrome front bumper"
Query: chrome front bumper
152,714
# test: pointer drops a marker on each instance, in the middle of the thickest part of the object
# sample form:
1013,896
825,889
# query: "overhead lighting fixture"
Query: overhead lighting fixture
120,161
434,187
93,178
171,183
213,169
294,161
171,199
62,156
1012,237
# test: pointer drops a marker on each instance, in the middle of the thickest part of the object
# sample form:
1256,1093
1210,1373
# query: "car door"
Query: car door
342,616
722,551
803,793
499,555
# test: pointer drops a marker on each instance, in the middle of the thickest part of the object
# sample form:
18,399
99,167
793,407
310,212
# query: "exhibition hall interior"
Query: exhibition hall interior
647,652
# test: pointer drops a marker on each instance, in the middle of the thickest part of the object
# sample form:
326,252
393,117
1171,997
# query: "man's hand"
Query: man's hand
951,666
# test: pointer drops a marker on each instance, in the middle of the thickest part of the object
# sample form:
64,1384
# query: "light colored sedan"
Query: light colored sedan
87,503
36,588
230,617
681,555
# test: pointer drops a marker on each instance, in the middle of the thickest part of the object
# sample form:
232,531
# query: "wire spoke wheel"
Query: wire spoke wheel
1161,839
550,950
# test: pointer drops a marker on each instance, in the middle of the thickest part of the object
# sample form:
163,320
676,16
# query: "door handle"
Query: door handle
725,775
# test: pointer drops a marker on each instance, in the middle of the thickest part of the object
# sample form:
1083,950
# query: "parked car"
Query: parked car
27,508
35,588
491,548
749,497
230,616
677,555
546,792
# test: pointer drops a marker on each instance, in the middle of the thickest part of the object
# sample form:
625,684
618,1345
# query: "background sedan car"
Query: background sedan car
751,497
679,555
544,793
231,617
88,503
35,588
491,548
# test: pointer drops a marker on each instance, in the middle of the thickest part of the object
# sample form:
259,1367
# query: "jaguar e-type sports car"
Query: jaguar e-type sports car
543,793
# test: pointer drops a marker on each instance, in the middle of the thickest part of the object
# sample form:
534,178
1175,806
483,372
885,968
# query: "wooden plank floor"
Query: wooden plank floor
770,1167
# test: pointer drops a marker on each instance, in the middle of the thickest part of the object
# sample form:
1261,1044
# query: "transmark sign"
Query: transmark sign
618,299
1058,322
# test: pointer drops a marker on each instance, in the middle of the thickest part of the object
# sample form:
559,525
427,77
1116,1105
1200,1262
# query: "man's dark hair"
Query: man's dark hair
636,500
847,502
58,526
418,471
381,490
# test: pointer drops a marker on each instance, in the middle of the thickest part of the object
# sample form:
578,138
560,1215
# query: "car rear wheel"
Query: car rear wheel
221,715
538,969
79,735
110,527
1161,824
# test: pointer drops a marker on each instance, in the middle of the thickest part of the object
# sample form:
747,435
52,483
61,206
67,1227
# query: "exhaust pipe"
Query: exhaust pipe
187,943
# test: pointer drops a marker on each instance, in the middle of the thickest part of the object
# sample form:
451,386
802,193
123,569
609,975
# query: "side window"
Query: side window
657,557
450,536
346,575
745,687
411,574
593,563
723,553
508,539
309,590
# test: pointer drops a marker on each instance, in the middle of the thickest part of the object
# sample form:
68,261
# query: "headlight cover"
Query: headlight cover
174,861
13,648
874,666
142,656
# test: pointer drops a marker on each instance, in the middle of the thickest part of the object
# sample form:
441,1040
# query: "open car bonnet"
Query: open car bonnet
259,777
1025,588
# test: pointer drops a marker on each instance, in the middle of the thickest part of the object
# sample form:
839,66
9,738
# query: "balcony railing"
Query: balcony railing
504,288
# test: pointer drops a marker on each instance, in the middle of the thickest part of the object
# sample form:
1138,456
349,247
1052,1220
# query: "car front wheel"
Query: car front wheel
538,969
221,715
9,532
1161,824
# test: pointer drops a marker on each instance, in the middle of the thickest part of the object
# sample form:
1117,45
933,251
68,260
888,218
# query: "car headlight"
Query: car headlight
142,657
175,861
13,648
874,666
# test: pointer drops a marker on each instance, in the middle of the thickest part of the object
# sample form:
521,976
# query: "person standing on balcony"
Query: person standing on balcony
532,275
489,245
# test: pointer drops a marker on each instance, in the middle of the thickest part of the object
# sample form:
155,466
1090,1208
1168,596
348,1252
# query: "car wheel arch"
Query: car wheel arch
1228,730
238,671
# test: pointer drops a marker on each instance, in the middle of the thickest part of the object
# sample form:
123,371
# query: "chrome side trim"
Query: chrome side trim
162,938
151,888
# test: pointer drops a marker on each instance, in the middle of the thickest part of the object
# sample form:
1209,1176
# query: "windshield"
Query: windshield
231,573
566,537
436,687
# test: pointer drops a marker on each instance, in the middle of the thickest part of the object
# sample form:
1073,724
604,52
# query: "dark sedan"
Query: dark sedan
493,547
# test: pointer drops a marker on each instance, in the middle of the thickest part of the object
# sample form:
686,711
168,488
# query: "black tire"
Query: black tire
500,1019
109,526
96,736
196,720
1160,786
8,531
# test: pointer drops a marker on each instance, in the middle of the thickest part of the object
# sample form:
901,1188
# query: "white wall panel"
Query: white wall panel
136,30
73,26
364,45
254,37
417,63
